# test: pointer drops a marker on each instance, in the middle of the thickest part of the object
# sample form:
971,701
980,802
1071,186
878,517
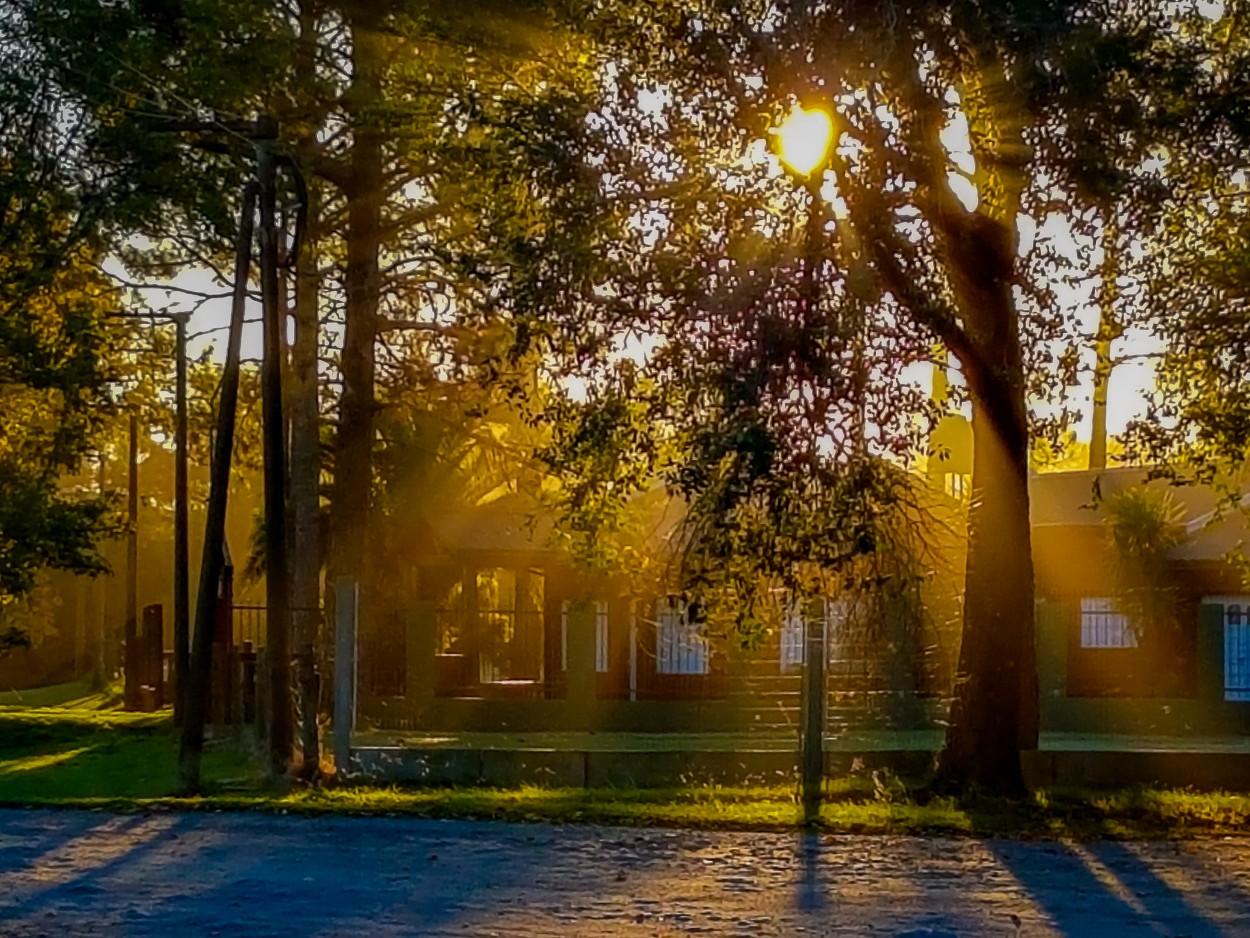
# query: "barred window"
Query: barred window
680,647
956,484
1104,626
792,640
1236,649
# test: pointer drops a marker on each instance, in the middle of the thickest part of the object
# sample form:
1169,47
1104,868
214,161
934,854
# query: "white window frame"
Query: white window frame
680,646
1103,626
1236,643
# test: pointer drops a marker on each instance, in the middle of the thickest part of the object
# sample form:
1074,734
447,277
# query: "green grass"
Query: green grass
64,755
91,756
77,695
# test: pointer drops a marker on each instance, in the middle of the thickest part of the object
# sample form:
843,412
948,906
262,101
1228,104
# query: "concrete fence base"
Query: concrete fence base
663,769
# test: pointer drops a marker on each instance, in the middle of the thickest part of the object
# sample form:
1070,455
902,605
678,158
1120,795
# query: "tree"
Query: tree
954,121
1143,526
1198,421
57,346
373,100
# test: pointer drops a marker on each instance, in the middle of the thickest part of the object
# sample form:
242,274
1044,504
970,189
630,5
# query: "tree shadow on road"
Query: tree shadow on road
1099,888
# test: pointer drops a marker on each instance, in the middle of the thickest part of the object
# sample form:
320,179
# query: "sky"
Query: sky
1129,384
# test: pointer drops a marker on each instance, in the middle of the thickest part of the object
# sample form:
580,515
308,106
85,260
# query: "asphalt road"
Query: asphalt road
251,876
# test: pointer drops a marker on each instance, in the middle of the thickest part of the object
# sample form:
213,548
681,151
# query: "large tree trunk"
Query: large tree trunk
994,711
304,412
353,454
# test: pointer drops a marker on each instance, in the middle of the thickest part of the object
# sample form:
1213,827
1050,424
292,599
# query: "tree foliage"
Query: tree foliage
1144,524
1198,420
57,345
754,347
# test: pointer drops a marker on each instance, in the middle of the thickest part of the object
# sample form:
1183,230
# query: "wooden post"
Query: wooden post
152,648
82,662
221,696
182,551
247,685
346,599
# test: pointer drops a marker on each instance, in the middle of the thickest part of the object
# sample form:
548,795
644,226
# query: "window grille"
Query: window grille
680,648
1103,626
1237,651
793,640
957,485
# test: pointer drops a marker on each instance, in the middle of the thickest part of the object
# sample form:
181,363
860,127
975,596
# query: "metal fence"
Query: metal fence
651,672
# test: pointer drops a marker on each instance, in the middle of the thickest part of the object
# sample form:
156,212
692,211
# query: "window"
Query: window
792,640
839,629
956,484
1236,648
1103,626
836,615
679,646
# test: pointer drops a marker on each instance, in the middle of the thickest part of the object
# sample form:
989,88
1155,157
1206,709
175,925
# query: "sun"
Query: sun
804,139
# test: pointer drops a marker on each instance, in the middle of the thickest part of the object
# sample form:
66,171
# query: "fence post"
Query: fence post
813,689
152,645
580,673
346,599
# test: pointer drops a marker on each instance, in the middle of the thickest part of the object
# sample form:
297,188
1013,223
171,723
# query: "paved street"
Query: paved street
79,873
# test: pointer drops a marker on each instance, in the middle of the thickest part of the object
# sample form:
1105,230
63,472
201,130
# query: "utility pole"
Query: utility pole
132,563
214,560
277,585
263,133
182,550
182,590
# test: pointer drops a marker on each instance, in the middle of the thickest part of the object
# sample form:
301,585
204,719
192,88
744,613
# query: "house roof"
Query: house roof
1068,499
1056,499
508,524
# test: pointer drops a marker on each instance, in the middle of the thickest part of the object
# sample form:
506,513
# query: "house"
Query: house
1099,670
498,630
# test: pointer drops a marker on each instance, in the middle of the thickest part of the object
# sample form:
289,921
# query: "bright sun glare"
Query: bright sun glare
805,137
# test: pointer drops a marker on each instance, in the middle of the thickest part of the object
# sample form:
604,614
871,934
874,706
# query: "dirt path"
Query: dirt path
250,876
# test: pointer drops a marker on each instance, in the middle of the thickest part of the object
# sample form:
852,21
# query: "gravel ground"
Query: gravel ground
251,876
